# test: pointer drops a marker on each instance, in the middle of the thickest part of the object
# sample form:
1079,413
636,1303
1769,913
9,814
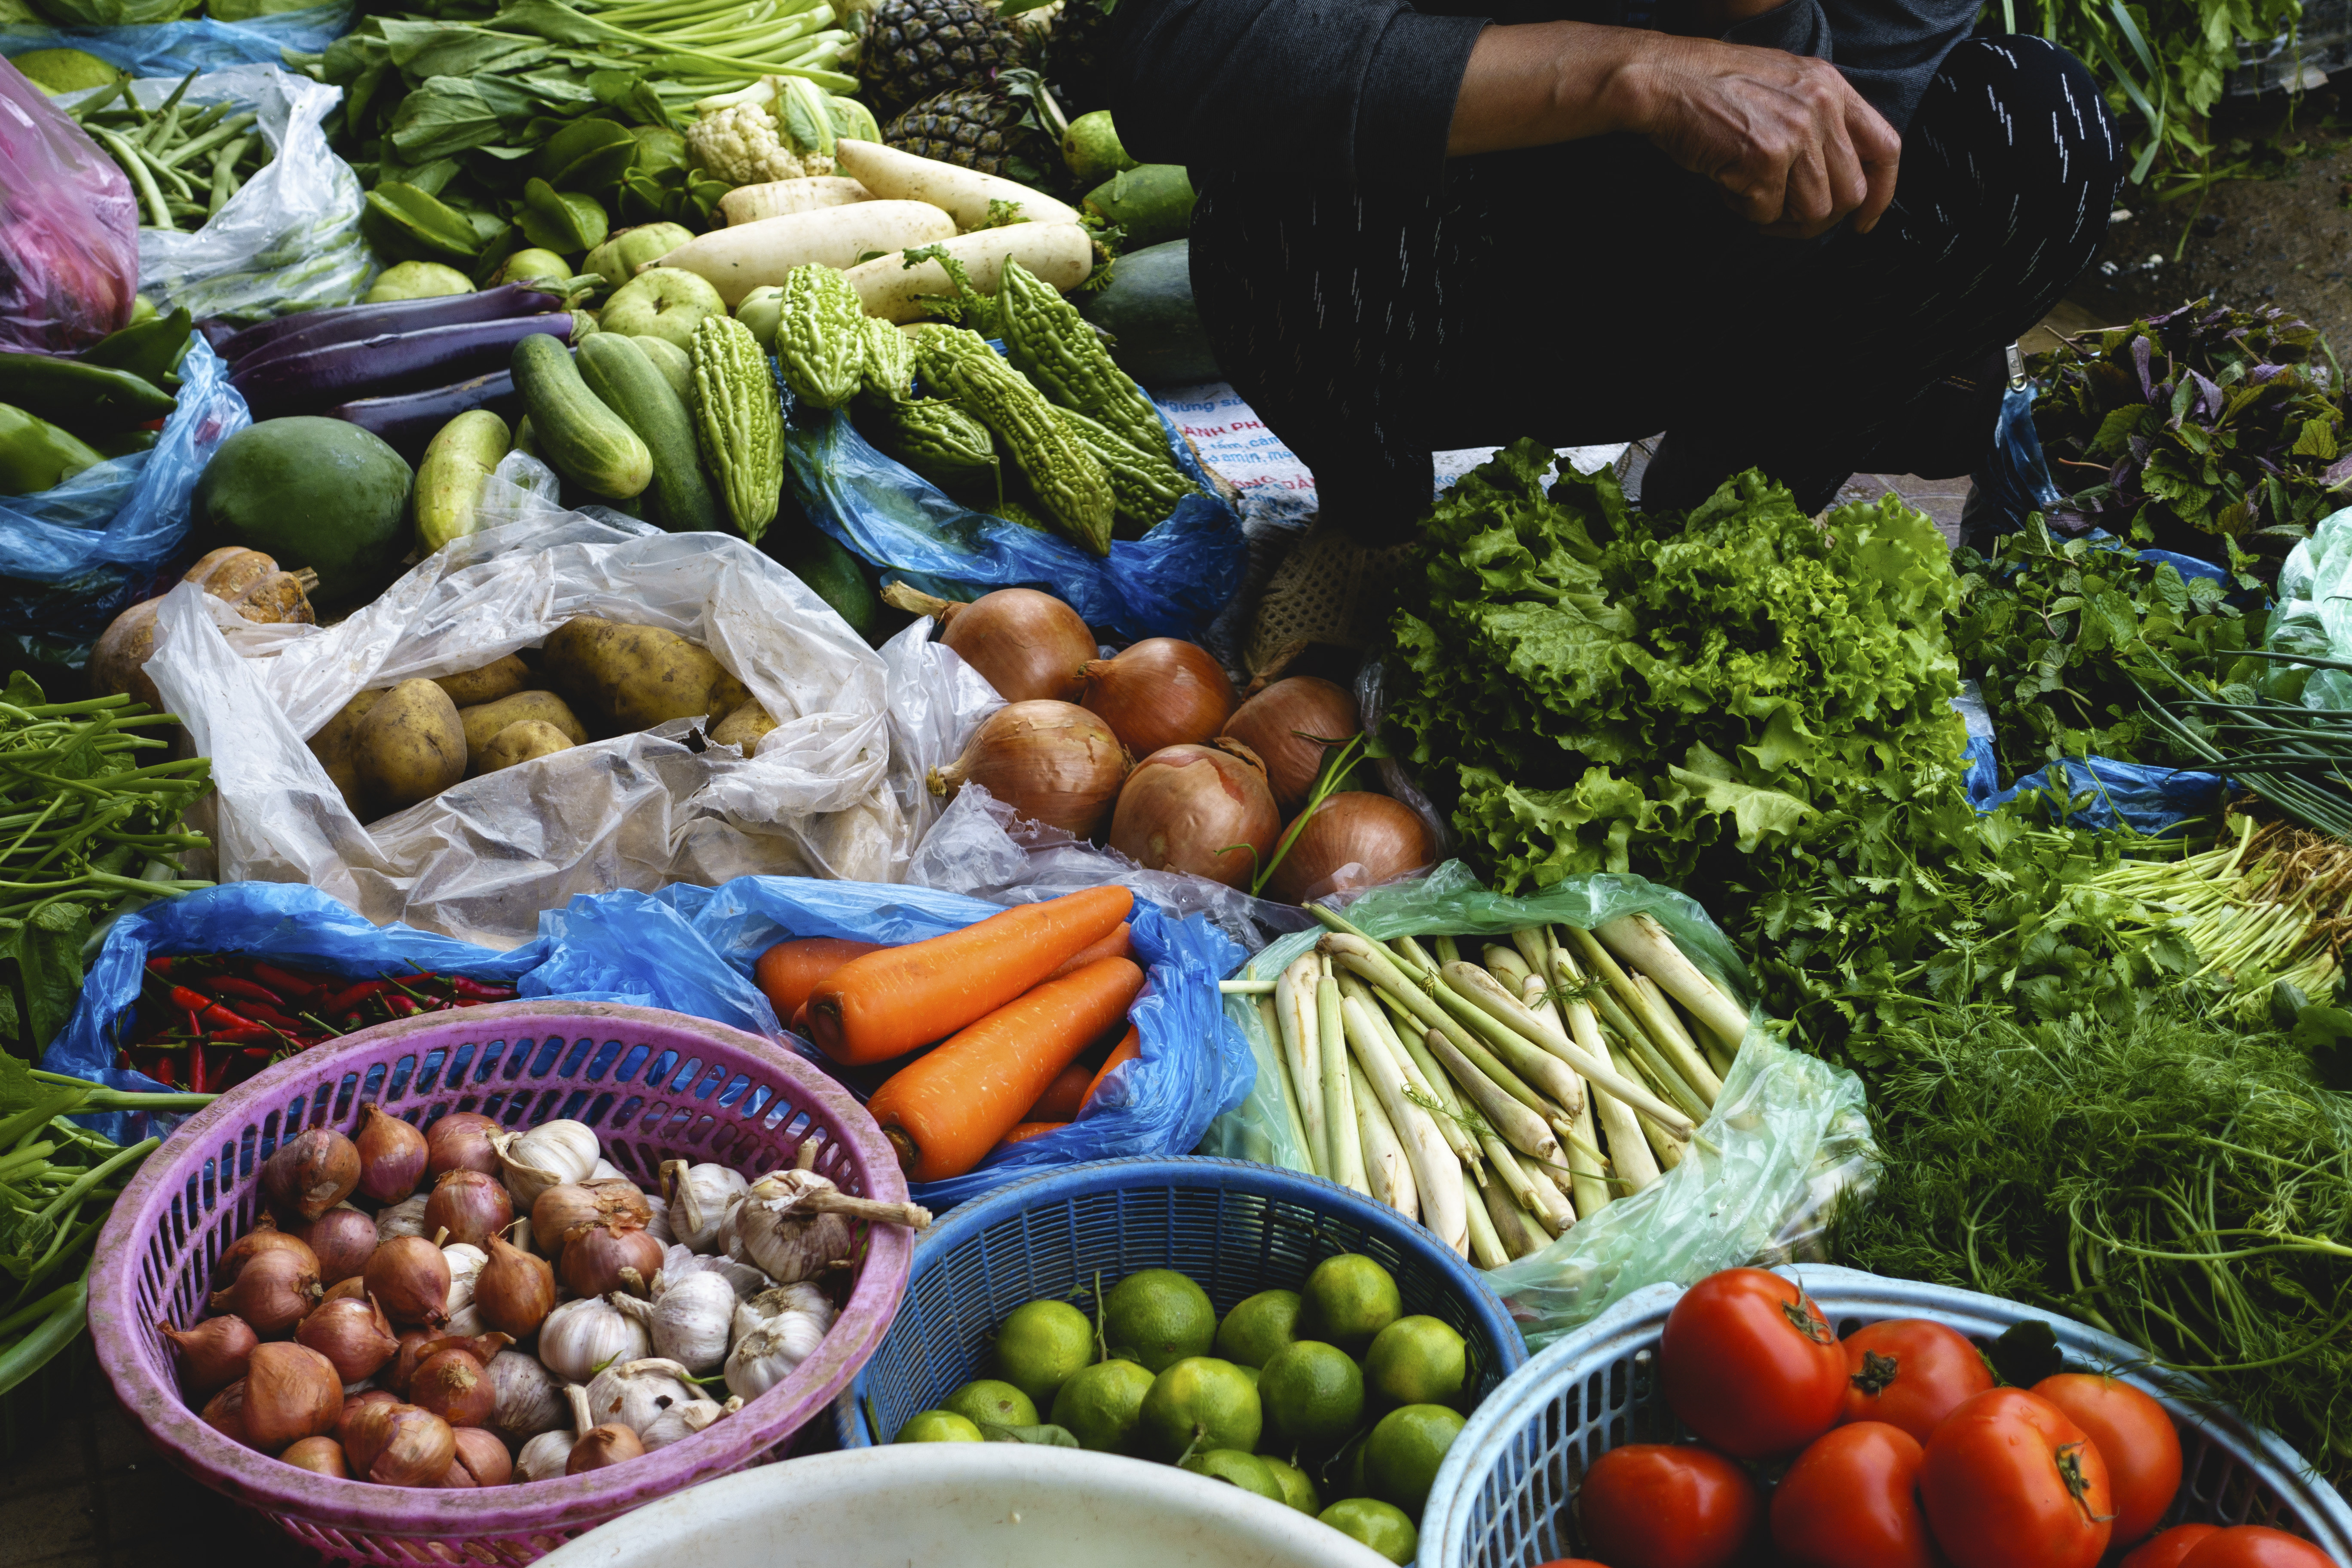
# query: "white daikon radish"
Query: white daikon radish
1060,253
744,256
965,194
783,198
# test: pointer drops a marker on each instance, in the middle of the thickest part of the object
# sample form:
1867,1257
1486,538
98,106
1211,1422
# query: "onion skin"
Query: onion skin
392,1156
1184,805
399,1445
410,1278
452,1384
481,1461
319,1455
274,1291
265,1237
1273,722
461,1142
595,1260
599,1446
1161,692
470,1206
292,1392
515,1290
342,1240
212,1354
310,1174
353,1334
224,1411
1053,763
1025,644
353,1405
571,1206
1381,834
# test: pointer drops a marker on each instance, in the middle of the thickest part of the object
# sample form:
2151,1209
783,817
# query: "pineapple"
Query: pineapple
996,133
916,49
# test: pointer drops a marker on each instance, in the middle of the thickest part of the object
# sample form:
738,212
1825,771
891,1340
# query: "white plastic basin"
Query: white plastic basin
972,1505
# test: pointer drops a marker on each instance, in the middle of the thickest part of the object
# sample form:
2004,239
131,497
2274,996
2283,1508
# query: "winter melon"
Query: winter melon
313,492
1148,309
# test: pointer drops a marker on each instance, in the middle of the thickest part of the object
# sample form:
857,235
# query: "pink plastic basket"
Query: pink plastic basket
655,1085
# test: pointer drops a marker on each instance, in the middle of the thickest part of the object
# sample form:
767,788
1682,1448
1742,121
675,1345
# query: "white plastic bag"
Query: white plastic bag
289,239
827,793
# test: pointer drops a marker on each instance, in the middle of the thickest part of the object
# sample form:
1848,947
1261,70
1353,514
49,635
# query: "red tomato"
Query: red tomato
1850,1501
1650,1506
2134,1436
1750,1365
2255,1546
2009,1482
2167,1550
1909,1373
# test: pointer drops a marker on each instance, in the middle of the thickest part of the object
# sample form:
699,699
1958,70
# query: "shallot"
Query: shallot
411,1278
311,1173
353,1335
213,1353
392,1156
274,1291
469,1206
290,1391
342,1239
461,1142
399,1445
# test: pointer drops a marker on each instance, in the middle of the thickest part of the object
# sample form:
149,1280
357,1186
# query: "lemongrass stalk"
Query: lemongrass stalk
1339,1092
1246,987
1302,1043
1548,1201
1627,997
1437,1173
1429,1081
1579,1185
1386,1170
1534,946
1447,952
1556,1048
1629,1030
1375,964
1542,1069
1486,1246
1649,947
1519,1126
1506,965
1676,1042
1509,1173
1518,1235
1616,1125
1667,1153
1402,1033
1290,1096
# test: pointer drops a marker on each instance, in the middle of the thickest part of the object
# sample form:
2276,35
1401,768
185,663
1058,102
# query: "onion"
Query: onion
1053,762
392,1156
1159,693
273,1292
399,1445
1352,840
224,1411
265,1237
451,1381
410,1278
1025,644
470,1206
290,1391
311,1173
1190,809
600,1446
354,1289
481,1461
355,1404
604,1258
394,1374
319,1455
1277,724
342,1239
562,1210
213,1353
515,1290
461,1142
353,1335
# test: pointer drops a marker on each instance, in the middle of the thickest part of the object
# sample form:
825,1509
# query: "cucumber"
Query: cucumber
832,573
620,371
1153,202
676,365
579,436
1148,310
449,477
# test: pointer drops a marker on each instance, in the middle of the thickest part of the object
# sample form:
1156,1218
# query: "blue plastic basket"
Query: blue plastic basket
1502,1498
1235,1227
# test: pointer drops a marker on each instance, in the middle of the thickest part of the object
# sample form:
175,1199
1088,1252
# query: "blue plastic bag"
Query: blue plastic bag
1171,583
2015,480
692,949
176,48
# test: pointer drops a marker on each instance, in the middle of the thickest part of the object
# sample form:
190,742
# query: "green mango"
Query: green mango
534,267
590,154
617,260
565,221
1091,148
418,280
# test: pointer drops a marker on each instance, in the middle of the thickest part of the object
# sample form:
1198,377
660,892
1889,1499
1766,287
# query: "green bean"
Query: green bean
135,168
209,140
167,116
89,106
224,182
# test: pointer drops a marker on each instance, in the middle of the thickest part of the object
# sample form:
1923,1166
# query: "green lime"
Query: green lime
1348,1298
1313,1395
1100,1404
1401,1456
1041,1344
1260,1326
985,1402
1298,1489
1416,1361
1383,1526
1200,1401
1235,1468
937,1426
1248,1372
1157,1318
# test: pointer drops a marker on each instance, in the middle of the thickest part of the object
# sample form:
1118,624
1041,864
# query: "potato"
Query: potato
521,741
483,723
410,746
472,688
743,727
639,676
334,746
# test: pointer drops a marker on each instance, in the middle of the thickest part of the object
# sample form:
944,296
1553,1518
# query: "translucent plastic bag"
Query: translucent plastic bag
1787,1133
69,227
174,48
1171,583
289,239
821,795
660,949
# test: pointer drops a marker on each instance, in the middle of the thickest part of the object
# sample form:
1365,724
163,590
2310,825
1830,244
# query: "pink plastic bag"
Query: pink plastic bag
69,227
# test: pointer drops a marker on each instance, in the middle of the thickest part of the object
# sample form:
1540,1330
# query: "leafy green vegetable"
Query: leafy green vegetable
2171,1181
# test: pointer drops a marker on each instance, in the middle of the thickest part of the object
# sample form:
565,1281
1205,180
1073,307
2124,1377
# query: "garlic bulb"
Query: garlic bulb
550,1153
699,1194
606,1168
657,1218
466,1263
530,1398
781,1301
689,1318
775,1350
579,1336
794,1225
683,1421
633,1392
546,1457
405,1217
747,1281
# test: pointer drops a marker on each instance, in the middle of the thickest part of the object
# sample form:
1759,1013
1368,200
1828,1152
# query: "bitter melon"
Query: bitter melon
1071,485
740,422
820,345
1050,343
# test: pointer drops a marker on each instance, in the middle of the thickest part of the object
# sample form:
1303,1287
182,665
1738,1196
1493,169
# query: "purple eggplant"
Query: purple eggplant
386,365
407,422
349,323
218,333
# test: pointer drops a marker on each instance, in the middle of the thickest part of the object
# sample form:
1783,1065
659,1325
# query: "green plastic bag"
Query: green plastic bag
1787,1137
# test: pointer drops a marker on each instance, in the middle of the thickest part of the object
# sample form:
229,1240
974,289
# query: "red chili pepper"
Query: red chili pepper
478,991
194,1027
195,1070
255,1012
249,1035
161,1073
244,990
287,982
346,1000
160,965
402,1007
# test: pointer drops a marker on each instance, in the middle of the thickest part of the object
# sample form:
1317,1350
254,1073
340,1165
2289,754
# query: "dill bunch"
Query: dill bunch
2168,1178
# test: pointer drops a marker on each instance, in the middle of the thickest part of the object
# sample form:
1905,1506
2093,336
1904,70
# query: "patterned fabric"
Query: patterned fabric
1593,292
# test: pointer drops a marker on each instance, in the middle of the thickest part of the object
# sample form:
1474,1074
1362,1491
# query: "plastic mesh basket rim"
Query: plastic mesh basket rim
706,1082
958,1239
1481,1514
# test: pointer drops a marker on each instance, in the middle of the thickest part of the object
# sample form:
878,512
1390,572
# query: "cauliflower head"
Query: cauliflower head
740,144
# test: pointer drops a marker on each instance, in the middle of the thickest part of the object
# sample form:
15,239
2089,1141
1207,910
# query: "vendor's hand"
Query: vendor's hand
1795,150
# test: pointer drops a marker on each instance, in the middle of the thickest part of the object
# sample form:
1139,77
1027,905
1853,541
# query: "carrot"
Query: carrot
882,1005
944,1113
1028,1130
789,971
1060,1101
1118,944
1130,1046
